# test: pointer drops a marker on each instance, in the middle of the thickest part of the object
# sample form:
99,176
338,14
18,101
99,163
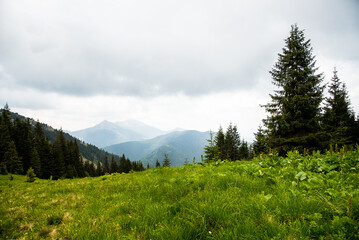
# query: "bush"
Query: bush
30,175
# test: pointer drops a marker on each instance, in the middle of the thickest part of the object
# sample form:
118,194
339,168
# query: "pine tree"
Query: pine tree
58,154
243,152
166,161
106,166
211,150
35,162
30,175
260,143
338,119
158,164
12,160
122,164
92,169
47,159
5,132
113,166
232,142
186,162
220,143
294,112
99,171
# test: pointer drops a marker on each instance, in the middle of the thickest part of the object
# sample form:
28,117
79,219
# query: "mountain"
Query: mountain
179,145
108,133
88,151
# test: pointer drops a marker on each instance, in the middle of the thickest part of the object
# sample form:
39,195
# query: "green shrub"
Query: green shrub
30,175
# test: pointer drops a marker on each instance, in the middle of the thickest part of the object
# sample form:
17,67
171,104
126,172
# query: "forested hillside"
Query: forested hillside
50,153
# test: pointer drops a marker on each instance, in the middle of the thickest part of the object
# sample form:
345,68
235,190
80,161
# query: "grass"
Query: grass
268,198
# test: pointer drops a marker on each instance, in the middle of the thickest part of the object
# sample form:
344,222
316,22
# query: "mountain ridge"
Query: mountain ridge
107,133
178,145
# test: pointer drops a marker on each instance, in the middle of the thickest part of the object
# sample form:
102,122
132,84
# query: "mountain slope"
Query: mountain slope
178,146
88,151
107,133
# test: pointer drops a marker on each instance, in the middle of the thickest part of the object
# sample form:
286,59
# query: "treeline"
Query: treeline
87,151
124,165
227,146
299,116
24,146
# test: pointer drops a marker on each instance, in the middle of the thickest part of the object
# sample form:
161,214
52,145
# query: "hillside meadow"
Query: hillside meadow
297,197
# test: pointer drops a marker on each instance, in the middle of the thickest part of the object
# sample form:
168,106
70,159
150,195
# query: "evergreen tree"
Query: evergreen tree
23,138
76,158
232,142
148,166
30,175
294,112
12,160
58,154
166,161
99,171
186,162
5,132
47,159
35,162
220,143
92,169
338,120
158,164
128,166
113,166
3,169
122,164
243,152
260,143
211,151
106,165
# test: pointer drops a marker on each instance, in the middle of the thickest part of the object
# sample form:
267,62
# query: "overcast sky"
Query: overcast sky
192,64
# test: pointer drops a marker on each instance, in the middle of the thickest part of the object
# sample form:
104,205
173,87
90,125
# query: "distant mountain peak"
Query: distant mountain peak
108,133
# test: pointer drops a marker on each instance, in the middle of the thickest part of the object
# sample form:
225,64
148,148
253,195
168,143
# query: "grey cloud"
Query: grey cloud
150,48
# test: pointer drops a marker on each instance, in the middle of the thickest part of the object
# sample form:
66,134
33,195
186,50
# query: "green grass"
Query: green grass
269,198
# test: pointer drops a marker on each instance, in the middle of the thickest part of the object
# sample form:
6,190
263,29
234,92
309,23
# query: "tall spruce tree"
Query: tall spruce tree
294,113
220,143
106,165
166,161
5,132
232,143
12,160
113,165
260,144
338,119
58,155
210,150
99,171
158,164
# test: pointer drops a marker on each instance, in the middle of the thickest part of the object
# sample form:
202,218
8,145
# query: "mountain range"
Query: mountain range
138,141
178,145
108,133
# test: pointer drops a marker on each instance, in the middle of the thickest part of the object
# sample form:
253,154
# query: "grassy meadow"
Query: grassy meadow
298,197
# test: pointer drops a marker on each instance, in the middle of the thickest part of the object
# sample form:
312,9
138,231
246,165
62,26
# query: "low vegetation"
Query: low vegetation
271,197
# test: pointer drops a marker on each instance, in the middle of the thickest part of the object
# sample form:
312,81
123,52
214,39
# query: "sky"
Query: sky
191,64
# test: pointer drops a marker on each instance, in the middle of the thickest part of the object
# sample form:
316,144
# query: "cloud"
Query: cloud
194,64
150,48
